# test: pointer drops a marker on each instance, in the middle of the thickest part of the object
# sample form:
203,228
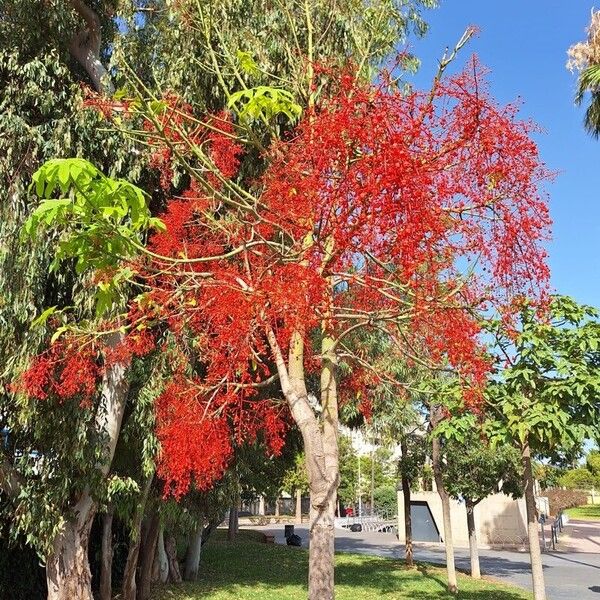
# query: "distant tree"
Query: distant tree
592,462
473,471
547,474
579,479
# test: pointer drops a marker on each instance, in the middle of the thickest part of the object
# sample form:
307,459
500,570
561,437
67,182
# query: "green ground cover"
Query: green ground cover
590,512
251,570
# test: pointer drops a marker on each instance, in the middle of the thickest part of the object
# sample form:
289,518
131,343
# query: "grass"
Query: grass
251,570
590,512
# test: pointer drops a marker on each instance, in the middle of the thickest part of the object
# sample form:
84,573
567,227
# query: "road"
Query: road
569,575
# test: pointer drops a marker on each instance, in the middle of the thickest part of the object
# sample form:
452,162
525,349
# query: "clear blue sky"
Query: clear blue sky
524,43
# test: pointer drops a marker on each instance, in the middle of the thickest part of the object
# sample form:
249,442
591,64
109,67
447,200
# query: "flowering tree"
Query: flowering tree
404,214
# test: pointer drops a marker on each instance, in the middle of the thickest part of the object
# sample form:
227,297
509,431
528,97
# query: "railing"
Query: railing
556,529
375,522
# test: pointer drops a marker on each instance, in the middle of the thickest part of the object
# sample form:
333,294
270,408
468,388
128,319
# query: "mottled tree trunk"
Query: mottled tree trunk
171,550
320,440
192,557
147,554
106,555
233,525
436,459
537,570
473,548
67,568
162,558
129,576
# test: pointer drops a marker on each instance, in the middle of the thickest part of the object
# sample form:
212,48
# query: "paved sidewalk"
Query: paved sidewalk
569,575
580,536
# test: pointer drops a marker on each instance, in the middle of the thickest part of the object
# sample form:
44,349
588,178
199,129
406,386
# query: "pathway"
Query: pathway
569,575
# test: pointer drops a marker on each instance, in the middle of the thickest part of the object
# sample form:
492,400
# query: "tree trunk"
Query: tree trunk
147,554
405,481
171,549
473,549
233,526
321,548
537,572
67,568
129,576
192,558
436,459
277,506
106,555
319,436
163,560
298,518
85,46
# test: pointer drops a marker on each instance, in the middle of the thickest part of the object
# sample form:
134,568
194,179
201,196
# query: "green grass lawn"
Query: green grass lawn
251,570
590,512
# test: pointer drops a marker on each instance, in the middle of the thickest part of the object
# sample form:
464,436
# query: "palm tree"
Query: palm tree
585,58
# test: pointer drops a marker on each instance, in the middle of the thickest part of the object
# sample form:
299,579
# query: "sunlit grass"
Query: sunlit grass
251,570
590,512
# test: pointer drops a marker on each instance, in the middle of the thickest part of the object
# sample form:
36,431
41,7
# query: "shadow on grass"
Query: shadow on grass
246,569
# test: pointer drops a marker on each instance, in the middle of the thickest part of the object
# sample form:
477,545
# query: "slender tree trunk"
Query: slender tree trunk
537,572
135,536
147,554
106,555
192,558
67,568
298,518
473,548
405,481
277,506
233,526
436,459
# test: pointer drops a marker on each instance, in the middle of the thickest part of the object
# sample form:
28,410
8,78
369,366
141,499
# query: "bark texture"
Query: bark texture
405,481
147,556
473,547
106,556
436,459
537,572
67,569
192,557
320,440
85,47
129,576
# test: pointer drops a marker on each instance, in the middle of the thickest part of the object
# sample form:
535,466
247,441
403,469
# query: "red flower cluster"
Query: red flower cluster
64,371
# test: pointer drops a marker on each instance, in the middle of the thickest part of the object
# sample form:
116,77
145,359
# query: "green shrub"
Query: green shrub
386,500
579,479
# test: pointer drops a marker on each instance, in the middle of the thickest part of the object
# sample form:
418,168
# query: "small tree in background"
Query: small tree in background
473,471
547,398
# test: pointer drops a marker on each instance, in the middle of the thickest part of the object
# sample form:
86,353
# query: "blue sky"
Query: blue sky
524,43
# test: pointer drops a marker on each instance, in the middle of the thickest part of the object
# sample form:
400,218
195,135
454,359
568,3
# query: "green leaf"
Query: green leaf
41,319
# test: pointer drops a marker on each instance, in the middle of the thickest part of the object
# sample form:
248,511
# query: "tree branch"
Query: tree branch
85,47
